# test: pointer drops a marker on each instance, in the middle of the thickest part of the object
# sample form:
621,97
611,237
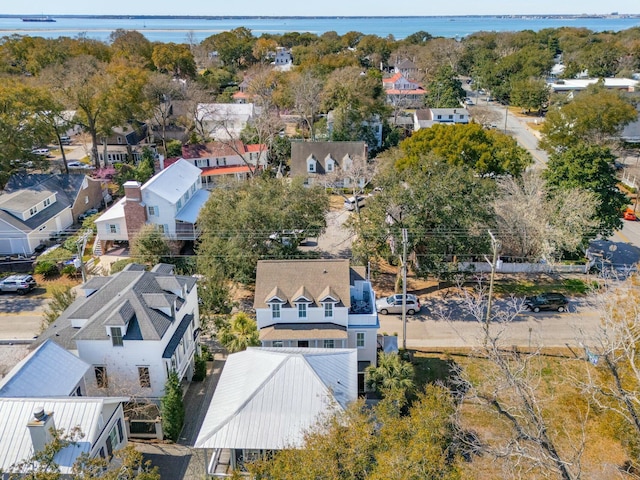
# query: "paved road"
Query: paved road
20,317
544,329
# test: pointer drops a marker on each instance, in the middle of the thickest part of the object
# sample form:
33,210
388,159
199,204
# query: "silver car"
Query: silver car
393,304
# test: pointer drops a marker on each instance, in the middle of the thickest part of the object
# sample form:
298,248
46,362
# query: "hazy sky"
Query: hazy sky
325,7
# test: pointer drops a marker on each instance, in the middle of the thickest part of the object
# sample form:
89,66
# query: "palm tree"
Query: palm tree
238,334
391,375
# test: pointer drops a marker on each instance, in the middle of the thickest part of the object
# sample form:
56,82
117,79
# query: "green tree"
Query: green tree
239,333
241,225
132,45
593,116
234,47
487,152
149,246
445,208
445,90
529,94
590,167
376,443
172,407
175,59
61,299
390,375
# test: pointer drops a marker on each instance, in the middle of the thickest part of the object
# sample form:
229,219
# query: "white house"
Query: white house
427,117
133,328
267,398
578,84
171,200
35,207
223,160
317,304
224,121
283,60
48,371
403,92
26,425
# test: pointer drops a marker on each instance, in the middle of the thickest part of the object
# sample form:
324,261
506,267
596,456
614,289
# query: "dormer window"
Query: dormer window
275,310
329,165
328,310
116,337
33,211
302,310
311,165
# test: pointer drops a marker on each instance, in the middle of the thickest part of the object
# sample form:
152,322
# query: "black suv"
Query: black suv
547,301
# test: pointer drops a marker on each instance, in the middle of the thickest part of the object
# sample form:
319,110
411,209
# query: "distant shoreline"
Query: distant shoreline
280,17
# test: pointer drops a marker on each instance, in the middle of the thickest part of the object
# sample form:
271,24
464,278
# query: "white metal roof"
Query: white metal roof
190,211
49,371
172,182
68,413
267,398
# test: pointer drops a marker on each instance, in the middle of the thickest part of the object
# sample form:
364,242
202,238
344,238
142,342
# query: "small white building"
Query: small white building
26,423
171,200
224,121
267,398
578,84
133,328
427,117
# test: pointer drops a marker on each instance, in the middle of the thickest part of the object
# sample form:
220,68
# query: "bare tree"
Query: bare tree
527,440
537,225
484,115
307,90
613,370
355,174
193,120
161,91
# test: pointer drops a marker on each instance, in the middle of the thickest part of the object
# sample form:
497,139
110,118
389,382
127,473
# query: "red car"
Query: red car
630,215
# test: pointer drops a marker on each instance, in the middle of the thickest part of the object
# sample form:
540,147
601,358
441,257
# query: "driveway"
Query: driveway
20,316
336,241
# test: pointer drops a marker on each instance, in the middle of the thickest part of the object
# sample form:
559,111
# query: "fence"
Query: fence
504,267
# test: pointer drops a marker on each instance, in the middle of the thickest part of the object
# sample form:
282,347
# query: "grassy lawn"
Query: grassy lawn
568,286
46,286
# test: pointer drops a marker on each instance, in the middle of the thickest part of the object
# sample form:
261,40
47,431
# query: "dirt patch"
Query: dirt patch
46,286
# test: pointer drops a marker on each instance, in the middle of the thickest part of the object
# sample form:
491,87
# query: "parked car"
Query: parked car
547,301
40,151
79,165
630,215
65,140
88,213
20,284
393,304
350,203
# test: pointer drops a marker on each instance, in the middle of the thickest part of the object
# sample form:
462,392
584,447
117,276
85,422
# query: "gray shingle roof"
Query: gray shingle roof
129,296
300,151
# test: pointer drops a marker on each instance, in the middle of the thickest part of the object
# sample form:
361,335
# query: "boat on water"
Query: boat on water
38,19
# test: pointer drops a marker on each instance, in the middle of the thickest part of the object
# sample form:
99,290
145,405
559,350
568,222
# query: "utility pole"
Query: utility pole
506,115
494,244
404,288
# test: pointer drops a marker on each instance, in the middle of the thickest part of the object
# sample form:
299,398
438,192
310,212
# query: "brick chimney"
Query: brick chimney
135,213
40,428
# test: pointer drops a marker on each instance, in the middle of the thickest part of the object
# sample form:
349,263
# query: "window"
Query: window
112,228
450,117
328,344
179,204
86,199
328,310
120,432
46,203
152,211
116,337
101,376
439,117
302,310
360,339
161,228
275,310
33,210
143,376
311,166
277,344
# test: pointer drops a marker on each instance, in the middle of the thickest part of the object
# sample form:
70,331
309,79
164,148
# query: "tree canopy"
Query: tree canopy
486,152
259,219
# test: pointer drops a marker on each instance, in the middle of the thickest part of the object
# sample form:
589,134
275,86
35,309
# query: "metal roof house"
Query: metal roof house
48,371
133,328
26,423
267,398
171,200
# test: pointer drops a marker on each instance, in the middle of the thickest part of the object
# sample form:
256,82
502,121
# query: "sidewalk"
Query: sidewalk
180,460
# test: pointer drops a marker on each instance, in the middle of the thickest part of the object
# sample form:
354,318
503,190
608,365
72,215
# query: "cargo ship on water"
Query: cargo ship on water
38,19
